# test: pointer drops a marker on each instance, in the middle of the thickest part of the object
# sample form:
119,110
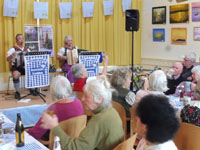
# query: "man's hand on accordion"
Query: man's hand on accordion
14,55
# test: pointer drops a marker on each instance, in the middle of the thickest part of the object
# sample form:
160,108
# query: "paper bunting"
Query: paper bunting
11,8
126,4
108,7
88,9
41,10
65,10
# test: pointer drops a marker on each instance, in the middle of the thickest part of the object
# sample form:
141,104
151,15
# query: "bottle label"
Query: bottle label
19,138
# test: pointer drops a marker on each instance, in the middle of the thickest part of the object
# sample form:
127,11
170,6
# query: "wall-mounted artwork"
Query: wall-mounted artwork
179,36
179,13
158,35
197,33
159,15
196,11
178,1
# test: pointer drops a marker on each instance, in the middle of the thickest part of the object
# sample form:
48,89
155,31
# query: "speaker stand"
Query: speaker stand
132,66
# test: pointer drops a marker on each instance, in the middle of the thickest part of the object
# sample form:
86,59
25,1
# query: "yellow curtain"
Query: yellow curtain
100,33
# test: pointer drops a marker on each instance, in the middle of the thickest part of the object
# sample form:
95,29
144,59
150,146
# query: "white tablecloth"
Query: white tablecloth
30,142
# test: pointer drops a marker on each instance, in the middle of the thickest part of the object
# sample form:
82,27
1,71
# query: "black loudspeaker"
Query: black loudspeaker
132,20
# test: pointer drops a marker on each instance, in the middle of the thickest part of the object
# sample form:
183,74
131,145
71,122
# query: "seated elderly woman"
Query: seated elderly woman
64,107
104,130
81,75
191,112
156,123
157,84
120,80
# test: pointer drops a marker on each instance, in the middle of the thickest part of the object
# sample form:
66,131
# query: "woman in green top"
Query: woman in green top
104,131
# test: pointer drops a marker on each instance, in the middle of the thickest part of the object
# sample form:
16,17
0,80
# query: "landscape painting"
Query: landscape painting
179,13
159,15
196,11
158,35
179,36
178,1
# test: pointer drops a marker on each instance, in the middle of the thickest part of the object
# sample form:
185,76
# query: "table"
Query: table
30,142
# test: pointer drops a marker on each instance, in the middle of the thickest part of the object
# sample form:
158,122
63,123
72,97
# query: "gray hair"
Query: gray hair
191,56
158,81
120,76
100,87
67,37
196,70
76,70
60,88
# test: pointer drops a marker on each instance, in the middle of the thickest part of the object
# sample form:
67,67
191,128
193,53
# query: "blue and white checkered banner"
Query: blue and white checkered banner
36,71
91,63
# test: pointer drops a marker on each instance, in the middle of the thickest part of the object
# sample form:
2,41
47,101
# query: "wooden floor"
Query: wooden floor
8,101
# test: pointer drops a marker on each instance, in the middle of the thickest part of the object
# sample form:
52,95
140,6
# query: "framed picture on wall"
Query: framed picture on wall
179,13
179,36
196,11
197,33
159,35
159,15
178,1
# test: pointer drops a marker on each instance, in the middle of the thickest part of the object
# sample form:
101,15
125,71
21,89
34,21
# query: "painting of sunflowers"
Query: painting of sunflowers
179,13
179,36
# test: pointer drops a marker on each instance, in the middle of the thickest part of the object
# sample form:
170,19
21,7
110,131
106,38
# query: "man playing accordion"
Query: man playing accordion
68,56
15,56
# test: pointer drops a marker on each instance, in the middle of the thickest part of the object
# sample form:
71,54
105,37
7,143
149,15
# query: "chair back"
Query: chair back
188,137
127,144
72,127
122,113
133,121
79,95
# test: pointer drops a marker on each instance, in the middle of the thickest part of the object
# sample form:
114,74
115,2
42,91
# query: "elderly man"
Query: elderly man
188,64
187,88
15,56
176,78
63,56
81,76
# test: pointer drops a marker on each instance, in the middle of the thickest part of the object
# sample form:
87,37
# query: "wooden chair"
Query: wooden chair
122,113
72,127
188,137
133,121
127,144
79,95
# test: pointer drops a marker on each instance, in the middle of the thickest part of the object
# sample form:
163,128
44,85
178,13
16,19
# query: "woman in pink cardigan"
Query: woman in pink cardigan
64,107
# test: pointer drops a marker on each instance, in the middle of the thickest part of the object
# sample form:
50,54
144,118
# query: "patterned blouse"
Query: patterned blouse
191,114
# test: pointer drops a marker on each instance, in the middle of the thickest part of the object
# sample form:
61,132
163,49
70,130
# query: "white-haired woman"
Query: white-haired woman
64,107
120,80
157,84
103,131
